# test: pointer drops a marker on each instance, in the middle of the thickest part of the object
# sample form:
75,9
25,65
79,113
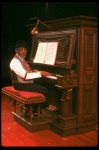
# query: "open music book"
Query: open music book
46,53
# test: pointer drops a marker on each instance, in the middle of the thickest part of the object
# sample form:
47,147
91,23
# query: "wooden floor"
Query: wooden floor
14,135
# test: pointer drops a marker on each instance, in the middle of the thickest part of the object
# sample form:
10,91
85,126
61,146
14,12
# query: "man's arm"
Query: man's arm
16,66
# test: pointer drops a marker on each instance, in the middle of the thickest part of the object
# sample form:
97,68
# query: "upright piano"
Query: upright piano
72,99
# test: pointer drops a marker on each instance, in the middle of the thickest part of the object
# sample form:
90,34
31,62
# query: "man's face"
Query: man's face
22,52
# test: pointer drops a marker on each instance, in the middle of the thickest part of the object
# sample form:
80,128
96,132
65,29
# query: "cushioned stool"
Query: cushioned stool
24,97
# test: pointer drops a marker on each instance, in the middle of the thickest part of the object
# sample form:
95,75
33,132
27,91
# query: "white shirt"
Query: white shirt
17,67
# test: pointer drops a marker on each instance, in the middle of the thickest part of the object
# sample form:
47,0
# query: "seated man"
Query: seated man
22,75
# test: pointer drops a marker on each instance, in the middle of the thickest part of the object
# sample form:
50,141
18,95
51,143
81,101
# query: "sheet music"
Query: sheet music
40,54
46,53
51,53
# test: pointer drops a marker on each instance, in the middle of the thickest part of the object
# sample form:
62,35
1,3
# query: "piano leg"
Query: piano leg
66,102
66,122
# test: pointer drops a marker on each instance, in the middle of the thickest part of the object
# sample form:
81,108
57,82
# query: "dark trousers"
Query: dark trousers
31,87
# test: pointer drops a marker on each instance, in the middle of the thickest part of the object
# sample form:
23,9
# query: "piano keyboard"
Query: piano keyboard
52,77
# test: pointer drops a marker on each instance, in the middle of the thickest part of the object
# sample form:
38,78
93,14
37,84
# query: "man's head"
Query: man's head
21,48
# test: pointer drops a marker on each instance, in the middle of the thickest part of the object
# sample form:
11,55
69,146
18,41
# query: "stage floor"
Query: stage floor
13,134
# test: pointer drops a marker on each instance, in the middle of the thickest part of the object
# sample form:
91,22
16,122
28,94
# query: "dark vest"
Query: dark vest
17,79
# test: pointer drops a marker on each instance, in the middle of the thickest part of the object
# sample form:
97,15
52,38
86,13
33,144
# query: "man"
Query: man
22,75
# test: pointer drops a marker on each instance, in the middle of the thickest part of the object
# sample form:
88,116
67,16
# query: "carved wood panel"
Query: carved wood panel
89,104
89,78
89,48
68,81
89,70
88,101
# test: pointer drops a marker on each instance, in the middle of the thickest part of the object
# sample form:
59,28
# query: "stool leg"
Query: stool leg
38,111
31,112
14,105
21,108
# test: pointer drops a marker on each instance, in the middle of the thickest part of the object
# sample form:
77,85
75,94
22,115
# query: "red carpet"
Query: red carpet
13,134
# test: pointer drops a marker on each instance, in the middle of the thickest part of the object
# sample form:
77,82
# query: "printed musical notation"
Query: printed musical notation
46,53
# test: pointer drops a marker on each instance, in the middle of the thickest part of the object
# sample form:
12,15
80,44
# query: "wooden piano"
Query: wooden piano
71,107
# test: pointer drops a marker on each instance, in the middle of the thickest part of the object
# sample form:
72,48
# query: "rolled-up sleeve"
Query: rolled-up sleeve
16,66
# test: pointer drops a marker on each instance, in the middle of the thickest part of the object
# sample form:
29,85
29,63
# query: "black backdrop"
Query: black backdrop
15,15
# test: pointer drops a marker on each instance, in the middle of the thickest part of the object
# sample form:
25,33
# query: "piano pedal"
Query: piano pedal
51,108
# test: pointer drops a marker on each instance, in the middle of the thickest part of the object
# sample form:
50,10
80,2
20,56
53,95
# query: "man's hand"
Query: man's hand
44,73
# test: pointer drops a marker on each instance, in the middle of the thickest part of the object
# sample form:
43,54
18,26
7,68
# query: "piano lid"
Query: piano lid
66,39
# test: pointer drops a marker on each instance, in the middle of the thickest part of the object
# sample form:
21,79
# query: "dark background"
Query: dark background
15,15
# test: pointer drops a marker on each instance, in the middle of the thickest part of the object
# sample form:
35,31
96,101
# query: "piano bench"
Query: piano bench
24,97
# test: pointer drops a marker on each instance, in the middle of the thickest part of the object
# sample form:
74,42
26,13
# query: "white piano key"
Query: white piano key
52,77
